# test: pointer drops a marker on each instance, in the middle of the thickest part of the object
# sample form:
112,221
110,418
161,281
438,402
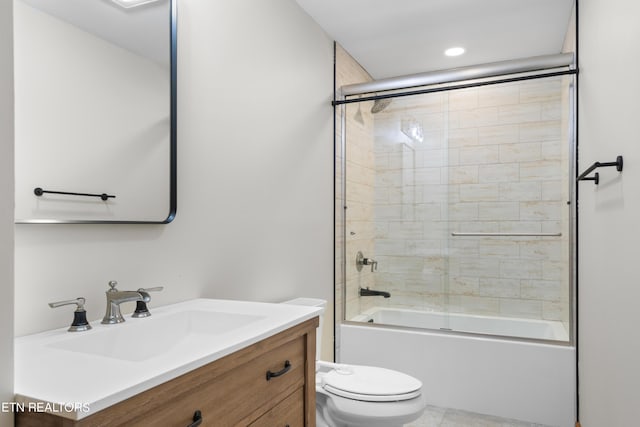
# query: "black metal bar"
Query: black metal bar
583,177
173,161
453,87
595,178
104,196
576,299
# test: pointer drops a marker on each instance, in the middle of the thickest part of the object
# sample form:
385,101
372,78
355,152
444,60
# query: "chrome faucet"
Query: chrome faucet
116,297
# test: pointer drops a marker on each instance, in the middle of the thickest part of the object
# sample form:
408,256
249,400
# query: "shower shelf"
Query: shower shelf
596,177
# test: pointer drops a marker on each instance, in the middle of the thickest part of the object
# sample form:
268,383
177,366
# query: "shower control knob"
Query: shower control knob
361,260
372,262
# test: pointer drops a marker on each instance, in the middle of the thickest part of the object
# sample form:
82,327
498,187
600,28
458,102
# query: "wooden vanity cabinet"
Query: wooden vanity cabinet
232,391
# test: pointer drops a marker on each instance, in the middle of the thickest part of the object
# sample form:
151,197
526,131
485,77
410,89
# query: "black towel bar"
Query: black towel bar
104,196
596,177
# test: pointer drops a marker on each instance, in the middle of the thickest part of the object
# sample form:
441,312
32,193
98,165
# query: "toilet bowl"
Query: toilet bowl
362,396
354,395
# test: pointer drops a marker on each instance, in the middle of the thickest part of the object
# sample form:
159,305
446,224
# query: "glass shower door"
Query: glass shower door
396,210
463,198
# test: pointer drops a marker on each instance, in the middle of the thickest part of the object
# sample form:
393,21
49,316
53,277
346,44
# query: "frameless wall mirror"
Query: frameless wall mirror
95,90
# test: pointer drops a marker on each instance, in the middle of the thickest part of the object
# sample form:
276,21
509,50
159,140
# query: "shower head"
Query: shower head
380,104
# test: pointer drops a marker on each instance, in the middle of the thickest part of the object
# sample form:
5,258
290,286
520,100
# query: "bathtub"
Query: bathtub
524,380
486,325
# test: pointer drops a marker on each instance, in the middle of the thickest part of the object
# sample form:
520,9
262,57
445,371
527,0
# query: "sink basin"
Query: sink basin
146,338
110,363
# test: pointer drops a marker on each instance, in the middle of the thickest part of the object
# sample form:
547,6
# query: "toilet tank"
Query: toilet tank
313,302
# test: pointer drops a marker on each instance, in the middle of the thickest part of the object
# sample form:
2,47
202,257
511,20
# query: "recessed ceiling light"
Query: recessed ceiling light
131,3
454,51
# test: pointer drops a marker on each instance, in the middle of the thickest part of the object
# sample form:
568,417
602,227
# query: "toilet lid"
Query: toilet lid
371,384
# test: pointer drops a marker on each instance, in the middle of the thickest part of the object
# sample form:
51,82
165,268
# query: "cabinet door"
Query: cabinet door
288,413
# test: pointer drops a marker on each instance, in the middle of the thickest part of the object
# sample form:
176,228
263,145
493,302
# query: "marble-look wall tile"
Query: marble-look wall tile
545,170
463,99
521,191
540,131
520,269
529,309
520,152
492,96
478,192
500,211
519,113
500,134
463,174
463,137
499,288
547,290
461,285
498,247
540,211
503,172
479,155
474,304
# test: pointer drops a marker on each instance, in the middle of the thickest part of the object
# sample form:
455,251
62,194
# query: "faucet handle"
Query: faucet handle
141,306
78,301
372,262
80,322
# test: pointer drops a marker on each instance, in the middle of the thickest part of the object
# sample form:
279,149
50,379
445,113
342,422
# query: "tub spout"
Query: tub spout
371,293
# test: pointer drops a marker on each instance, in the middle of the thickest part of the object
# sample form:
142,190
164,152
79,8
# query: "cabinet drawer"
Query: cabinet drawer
246,388
288,413
240,395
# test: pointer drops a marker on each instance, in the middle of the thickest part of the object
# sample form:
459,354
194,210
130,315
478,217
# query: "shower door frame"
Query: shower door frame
447,80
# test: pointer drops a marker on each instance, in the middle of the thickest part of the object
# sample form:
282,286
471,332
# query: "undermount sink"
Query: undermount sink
141,339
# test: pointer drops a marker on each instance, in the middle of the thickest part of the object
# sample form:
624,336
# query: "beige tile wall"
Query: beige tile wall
360,188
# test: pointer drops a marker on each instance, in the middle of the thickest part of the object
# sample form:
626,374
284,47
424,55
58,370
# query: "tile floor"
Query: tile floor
442,417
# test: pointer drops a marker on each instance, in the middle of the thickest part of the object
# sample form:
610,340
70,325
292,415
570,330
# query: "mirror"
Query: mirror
95,111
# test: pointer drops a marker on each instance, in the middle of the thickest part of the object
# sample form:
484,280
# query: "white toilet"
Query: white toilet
362,396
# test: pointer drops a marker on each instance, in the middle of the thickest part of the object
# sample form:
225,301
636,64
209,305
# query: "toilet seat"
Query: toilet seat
371,384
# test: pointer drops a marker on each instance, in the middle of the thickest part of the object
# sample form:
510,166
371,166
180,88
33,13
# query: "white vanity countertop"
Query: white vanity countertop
95,369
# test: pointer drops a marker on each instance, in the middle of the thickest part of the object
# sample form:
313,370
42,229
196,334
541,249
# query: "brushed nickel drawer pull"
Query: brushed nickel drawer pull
287,366
197,419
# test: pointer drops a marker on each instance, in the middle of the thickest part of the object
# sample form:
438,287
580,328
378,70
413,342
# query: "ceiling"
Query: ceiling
392,38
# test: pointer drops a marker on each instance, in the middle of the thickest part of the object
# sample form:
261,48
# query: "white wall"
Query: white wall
6,208
255,178
609,233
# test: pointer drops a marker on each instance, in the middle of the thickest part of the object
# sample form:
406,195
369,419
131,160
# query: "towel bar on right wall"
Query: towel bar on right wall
596,177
